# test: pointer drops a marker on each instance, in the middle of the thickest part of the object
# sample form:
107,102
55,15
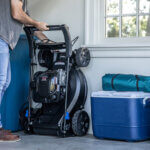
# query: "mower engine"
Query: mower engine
49,86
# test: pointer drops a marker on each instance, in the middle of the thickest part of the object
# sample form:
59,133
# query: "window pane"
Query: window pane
112,27
129,6
144,26
129,26
112,7
144,6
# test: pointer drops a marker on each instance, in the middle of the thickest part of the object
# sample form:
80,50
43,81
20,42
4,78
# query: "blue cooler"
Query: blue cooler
121,115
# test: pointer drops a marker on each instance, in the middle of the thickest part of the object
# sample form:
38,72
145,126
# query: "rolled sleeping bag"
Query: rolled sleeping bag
125,82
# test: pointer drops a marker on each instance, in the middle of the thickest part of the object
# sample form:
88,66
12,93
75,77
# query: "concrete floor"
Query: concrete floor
34,142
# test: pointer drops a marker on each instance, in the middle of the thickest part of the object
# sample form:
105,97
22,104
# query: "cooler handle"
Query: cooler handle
146,101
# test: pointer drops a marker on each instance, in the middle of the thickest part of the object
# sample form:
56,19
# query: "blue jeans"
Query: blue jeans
5,70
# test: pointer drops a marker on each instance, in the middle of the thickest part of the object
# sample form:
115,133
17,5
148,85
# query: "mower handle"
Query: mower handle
29,30
51,28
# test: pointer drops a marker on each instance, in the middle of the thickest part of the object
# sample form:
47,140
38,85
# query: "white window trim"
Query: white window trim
95,29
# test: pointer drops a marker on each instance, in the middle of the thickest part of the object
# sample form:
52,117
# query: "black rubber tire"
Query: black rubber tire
80,123
82,57
24,120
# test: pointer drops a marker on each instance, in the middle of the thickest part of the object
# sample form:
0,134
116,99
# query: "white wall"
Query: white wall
104,60
70,12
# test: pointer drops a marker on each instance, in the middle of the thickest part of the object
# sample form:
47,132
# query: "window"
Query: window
127,18
117,22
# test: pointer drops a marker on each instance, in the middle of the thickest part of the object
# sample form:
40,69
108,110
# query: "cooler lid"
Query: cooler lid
114,94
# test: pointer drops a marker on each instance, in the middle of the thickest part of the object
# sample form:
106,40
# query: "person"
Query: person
13,17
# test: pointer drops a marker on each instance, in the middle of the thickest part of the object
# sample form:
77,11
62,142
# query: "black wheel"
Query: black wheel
82,57
80,123
61,133
24,119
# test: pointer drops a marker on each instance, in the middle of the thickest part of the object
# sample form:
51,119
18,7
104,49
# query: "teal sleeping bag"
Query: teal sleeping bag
123,82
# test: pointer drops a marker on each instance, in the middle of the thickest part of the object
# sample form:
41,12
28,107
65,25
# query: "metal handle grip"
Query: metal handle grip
51,28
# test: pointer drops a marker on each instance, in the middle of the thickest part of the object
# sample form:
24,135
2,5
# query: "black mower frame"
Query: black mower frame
32,47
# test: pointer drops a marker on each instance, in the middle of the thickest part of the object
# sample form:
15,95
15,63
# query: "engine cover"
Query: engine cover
46,85
49,86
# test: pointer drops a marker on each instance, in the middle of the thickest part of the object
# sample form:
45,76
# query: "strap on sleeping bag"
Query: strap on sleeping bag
112,81
137,82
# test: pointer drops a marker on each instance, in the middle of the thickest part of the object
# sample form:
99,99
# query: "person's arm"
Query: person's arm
19,15
40,35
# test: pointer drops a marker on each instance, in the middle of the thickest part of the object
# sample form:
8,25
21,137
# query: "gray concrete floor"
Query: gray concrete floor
34,142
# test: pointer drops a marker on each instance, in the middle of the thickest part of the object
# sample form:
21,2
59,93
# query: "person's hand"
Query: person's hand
42,26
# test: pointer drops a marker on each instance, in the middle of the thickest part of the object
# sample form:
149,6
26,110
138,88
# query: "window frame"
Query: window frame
95,28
